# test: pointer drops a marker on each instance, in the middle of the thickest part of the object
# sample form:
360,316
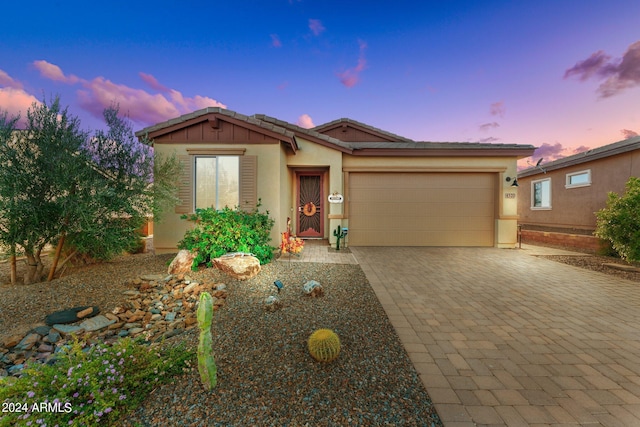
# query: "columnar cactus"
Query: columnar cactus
324,345
206,362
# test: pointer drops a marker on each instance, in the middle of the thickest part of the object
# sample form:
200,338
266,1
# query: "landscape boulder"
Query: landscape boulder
70,315
238,266
182,262
313,288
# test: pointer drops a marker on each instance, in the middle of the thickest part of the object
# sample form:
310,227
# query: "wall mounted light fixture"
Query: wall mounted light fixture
515,181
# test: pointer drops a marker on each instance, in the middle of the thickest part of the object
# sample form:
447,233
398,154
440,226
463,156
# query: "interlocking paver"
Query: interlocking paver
520,340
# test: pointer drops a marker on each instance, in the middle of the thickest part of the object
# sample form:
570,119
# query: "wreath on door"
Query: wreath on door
309,209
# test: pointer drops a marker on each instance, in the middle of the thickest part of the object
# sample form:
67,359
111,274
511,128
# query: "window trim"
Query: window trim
583,184
540,208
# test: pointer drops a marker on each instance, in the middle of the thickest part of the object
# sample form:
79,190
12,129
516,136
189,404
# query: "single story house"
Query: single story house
387,190
558,200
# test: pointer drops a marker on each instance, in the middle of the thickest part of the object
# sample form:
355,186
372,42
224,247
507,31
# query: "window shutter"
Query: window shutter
185,186
248,182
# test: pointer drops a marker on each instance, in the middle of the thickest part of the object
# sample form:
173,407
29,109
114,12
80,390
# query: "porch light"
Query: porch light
515,181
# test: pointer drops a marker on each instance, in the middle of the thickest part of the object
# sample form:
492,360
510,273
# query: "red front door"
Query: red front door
310,215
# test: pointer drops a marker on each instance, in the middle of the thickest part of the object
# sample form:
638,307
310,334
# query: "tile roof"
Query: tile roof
290,131
217,110
343,120
619,147
307,132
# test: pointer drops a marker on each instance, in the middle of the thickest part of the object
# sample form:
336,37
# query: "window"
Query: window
541,194
578,179
217,181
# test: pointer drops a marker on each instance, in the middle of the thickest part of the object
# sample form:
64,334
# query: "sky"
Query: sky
562,75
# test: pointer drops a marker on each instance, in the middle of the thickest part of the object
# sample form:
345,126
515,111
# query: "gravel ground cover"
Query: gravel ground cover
265,373
597,263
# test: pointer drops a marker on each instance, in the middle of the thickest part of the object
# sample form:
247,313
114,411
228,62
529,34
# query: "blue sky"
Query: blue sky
561,75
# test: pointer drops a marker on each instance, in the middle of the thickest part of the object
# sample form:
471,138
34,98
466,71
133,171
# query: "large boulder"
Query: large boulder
70,315
182,262
238,266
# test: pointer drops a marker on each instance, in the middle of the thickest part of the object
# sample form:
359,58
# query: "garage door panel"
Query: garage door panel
421,209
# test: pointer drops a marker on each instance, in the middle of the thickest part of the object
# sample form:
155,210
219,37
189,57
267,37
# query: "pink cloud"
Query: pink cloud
53,72
550,152
141,106
489,140
497,109
153,82
305,121
351,76
581,149
488,126
628,133
316,27
275,40
16,102
283,85
620,74
7,81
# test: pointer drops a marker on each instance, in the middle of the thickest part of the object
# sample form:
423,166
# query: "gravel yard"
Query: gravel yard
265,373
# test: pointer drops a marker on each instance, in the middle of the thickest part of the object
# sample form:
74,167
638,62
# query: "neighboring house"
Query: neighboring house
558,200
394,191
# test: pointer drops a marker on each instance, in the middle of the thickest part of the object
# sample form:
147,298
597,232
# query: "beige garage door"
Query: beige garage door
421,209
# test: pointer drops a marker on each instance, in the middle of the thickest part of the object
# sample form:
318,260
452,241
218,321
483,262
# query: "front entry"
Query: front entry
310,215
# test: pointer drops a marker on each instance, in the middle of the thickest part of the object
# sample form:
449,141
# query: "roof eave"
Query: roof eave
520,153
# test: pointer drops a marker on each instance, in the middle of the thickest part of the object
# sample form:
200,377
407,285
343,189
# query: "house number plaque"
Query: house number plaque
335,198
510,195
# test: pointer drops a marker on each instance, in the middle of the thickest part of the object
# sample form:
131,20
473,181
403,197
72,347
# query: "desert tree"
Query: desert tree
61,185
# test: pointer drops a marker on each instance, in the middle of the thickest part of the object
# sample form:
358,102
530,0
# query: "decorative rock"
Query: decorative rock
53,336
42,330
238,266
28,342
123,333
96,323
63,317
135,331
190,287
221,287
45,348
313,288
182,262
170,317
272,303
84,313
12,341
68,329
152,277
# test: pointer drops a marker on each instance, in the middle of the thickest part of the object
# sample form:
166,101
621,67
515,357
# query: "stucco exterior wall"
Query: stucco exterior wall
576,207
270,169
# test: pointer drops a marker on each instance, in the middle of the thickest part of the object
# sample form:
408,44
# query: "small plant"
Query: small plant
88,386
228,230
618,221
339,234
324,345
206,361
290,244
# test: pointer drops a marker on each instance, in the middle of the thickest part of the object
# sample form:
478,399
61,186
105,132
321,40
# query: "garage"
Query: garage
421,208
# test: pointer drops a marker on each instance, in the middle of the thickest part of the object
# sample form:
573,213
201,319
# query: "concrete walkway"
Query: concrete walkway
502,337
317,250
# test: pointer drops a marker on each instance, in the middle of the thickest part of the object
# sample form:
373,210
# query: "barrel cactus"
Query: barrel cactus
324,345
206,362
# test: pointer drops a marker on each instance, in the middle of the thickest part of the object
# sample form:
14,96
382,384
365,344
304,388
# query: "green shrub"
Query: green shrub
92,385
618,221
218,232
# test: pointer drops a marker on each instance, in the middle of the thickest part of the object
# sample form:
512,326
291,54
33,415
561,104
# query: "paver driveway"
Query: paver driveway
501,337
